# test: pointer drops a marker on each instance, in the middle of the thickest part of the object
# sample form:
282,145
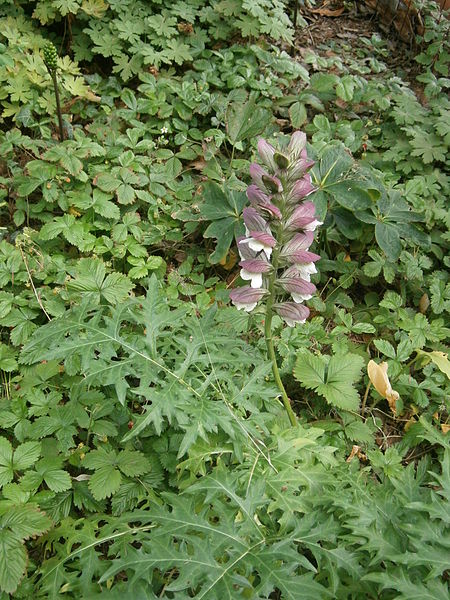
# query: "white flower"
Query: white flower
254,278
257,246
164,130
306,270
292,323
313,225
246,307
299,298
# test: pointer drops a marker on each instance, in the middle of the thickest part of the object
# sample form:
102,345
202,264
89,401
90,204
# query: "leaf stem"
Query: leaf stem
269,339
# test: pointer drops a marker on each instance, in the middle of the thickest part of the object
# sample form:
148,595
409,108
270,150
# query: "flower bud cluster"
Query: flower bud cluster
50,57
279,226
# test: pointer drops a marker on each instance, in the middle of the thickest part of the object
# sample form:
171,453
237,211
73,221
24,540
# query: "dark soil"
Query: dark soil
348,27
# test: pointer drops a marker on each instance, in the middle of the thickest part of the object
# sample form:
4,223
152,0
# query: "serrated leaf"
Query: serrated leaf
105,482
358,431
26,521
26,455
58,480
310,369
332,377
297,114
133,463
385,348
13,560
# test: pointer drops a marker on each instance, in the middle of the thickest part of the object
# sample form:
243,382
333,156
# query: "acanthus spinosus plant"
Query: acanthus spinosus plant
275,255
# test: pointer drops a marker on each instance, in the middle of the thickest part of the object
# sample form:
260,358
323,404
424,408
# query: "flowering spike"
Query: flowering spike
256,173
253,220
299,289
264,181
275,255
261,201
260,241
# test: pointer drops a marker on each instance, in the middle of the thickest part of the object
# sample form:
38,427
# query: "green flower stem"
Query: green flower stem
58,105
269,339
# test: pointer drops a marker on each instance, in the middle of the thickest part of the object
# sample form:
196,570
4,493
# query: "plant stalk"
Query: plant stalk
58,105
269,340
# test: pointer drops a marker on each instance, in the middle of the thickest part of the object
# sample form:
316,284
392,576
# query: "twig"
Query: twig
30,278
366,393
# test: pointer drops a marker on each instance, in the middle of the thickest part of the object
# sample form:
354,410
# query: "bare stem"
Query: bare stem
58,105
269,340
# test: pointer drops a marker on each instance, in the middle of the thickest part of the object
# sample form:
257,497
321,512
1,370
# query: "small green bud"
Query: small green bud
50,57
281,160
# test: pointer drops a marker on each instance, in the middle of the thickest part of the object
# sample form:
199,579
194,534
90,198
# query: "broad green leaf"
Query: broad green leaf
222,230
350,194
358,431
107,182
245,121
91,279
26,521
99,458
57,480
297,114
388,239
346,87
8,360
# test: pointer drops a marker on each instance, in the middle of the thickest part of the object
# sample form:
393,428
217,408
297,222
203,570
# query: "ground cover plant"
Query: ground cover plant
162,167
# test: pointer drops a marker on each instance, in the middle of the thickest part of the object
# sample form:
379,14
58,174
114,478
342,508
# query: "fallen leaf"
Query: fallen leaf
229,260
380,380
356,451
424,303
328,12
445,428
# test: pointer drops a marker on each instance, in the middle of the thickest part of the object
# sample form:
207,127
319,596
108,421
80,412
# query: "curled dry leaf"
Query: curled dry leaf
380,380
356,451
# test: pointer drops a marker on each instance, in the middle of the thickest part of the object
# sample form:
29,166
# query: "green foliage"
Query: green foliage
143,452
137,34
